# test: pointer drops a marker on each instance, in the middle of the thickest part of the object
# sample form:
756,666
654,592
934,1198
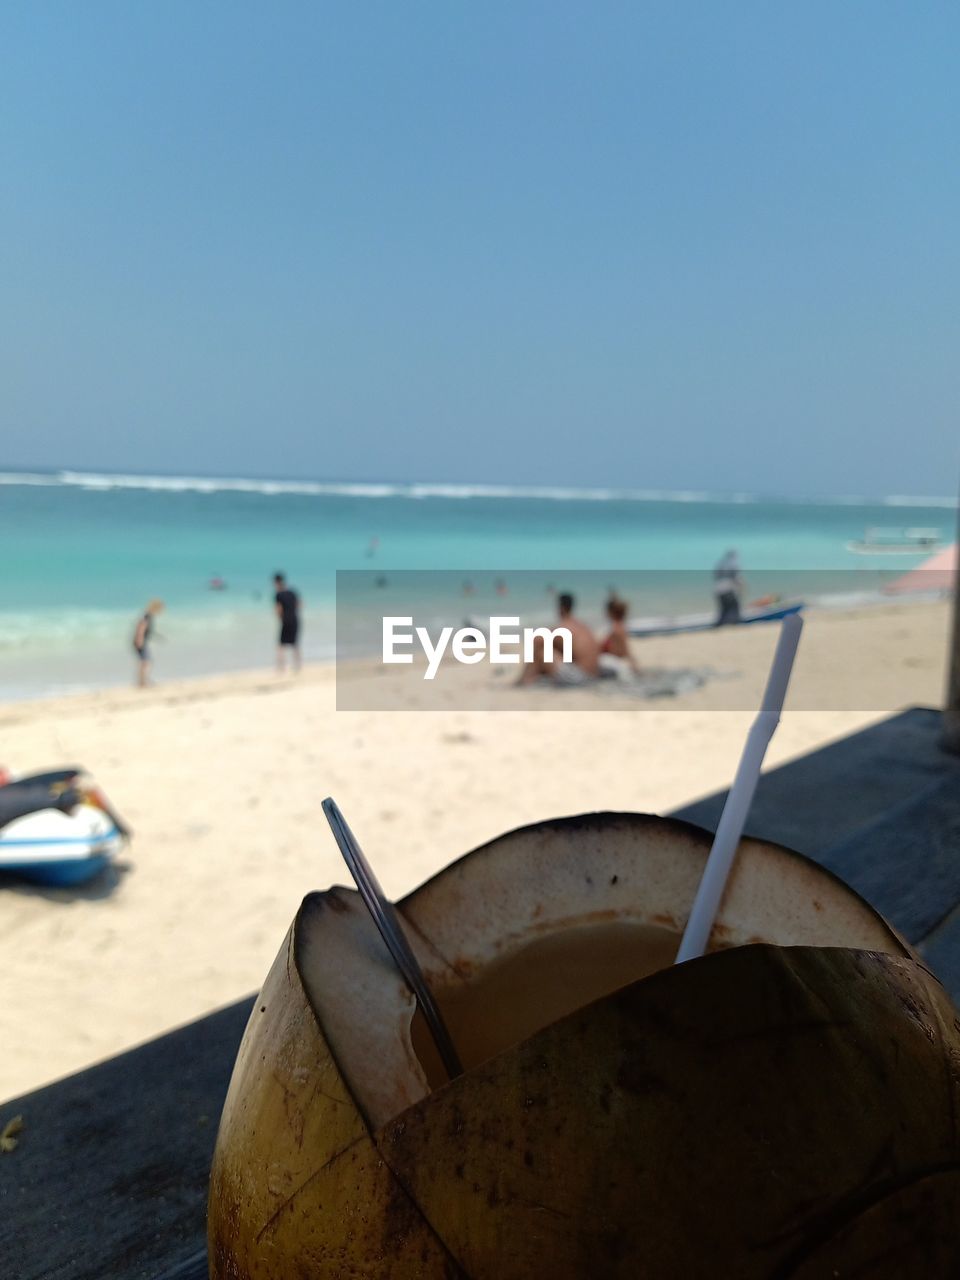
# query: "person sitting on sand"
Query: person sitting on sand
585,651
141,641
616,644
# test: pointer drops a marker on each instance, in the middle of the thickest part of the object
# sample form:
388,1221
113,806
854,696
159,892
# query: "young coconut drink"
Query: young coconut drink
784,1106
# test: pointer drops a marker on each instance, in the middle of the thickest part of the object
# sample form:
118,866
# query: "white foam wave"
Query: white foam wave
29,478
364,489
24,631
105,481
908,500
217,484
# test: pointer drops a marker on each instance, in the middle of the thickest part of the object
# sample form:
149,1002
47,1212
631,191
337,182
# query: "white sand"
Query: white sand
221,780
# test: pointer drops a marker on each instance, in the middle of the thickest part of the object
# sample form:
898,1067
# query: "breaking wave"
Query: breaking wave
105,481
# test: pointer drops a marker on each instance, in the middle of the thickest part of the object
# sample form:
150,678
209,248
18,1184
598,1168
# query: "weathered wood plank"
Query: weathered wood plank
951,711
829,796
907,862
941,949
881,809
110,1177
194,1268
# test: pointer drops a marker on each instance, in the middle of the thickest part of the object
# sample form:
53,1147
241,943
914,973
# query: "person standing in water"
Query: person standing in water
287,604
141,641
727,588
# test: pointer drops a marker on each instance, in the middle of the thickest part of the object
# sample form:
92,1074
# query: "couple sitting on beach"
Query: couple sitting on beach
590,658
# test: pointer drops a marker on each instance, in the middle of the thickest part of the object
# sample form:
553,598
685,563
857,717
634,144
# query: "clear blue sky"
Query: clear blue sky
655,244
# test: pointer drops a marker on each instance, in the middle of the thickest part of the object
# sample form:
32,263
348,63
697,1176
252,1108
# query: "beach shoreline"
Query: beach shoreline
87,551
51,677
221,779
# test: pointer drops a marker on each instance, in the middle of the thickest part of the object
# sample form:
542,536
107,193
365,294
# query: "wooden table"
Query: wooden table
109,1181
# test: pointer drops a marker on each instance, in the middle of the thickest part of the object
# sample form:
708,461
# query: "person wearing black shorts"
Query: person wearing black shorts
287,604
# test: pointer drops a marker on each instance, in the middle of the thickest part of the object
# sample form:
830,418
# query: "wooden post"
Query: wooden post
951,712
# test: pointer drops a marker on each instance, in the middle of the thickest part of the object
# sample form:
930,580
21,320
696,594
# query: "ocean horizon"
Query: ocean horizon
85,550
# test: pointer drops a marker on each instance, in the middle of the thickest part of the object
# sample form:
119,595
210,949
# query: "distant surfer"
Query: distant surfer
372,547
217,583
287,604
727,589
141,641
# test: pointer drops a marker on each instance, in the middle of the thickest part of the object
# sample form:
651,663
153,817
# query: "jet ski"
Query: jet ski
57,828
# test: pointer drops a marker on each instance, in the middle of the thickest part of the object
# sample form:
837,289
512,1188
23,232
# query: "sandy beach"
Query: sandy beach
221,780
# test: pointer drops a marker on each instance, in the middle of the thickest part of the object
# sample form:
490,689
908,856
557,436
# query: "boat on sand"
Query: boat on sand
57,829
776,612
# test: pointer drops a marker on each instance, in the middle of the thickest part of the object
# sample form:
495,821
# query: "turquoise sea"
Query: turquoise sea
82,553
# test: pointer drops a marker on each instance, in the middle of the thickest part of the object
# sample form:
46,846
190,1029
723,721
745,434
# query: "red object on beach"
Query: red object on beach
939,573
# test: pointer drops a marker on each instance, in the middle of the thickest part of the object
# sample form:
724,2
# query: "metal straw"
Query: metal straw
385,918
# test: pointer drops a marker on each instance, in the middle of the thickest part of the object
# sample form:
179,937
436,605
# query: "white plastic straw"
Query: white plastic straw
740,796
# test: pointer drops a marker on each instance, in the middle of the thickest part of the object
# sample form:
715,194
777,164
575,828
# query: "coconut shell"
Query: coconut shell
735,1107
713,1120
911,1231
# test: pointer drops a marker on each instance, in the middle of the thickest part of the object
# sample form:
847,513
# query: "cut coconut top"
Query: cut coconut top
538,923
364,1006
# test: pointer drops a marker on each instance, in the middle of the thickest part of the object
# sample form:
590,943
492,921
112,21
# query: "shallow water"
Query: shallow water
83,554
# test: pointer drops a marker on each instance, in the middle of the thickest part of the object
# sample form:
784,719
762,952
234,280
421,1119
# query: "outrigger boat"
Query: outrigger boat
879,541
57,828
644,627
